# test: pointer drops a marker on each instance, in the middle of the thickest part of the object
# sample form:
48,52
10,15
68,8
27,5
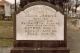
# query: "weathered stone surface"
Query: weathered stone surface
40,50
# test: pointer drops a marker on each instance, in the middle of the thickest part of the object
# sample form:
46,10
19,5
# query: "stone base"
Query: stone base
39,50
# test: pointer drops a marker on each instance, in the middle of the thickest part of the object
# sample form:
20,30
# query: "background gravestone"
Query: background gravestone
40,28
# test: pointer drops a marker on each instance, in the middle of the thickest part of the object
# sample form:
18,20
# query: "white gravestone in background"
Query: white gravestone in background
7,9
39,22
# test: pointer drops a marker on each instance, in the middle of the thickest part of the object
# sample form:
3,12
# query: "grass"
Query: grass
6,42
6,29
6,33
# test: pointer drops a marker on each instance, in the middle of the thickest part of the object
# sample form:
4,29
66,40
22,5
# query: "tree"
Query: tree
55,2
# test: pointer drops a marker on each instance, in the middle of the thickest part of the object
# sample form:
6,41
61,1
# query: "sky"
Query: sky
13,1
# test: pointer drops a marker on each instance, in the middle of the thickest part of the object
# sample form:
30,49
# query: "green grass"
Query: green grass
6,29
6,33
6,42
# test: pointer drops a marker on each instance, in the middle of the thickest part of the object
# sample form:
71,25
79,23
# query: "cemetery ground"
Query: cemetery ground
6,37
6,33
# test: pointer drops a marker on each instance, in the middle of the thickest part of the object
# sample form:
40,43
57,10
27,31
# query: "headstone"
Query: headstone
7,9
40,28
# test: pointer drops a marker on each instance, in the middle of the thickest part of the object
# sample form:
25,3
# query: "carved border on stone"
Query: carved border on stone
39,3
57,42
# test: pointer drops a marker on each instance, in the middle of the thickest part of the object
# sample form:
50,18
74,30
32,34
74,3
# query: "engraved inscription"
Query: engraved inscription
40,25
40,22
